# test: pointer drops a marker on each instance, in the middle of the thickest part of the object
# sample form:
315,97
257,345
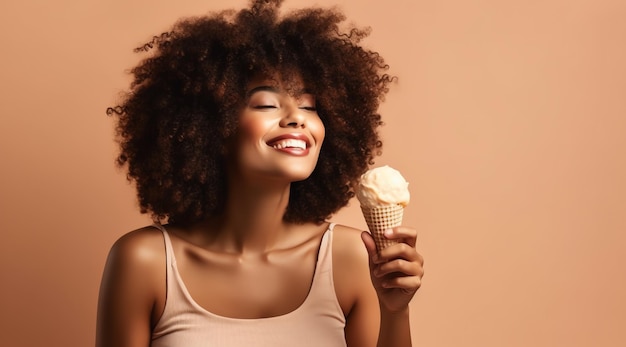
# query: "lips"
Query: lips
290,143
294,144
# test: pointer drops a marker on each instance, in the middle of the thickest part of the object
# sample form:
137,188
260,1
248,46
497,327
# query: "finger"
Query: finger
407,283
397,251
400,268
403,234
369,243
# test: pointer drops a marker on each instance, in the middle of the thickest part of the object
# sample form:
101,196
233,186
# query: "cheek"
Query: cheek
318,130
252,130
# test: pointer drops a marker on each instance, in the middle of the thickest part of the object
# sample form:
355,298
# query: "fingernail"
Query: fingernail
388,232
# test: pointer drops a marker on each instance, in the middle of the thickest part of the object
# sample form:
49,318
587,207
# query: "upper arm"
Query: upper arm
354,288
133,281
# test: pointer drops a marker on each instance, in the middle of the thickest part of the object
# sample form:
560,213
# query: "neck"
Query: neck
253,219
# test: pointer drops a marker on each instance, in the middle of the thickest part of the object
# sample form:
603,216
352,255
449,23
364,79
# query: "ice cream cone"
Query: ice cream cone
381,218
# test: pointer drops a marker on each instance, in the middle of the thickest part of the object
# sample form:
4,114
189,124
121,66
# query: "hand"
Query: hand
397,270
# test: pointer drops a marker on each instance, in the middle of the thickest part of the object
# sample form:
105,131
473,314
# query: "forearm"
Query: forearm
395,329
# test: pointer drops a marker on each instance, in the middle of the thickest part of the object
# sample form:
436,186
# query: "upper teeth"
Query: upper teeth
290,143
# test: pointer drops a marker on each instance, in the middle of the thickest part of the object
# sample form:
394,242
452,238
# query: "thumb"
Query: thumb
369,243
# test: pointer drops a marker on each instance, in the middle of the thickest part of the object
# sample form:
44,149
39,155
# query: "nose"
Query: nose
293,117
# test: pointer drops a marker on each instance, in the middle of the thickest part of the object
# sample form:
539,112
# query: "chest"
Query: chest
248,287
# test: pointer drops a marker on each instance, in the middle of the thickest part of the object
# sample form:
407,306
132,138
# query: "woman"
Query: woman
244,132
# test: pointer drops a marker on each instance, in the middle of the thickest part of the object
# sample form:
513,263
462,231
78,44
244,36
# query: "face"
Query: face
279,136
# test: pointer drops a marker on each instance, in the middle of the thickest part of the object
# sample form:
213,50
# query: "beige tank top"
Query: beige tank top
319,321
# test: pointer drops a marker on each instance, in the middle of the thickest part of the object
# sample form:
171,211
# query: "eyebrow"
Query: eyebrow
271,89
262,89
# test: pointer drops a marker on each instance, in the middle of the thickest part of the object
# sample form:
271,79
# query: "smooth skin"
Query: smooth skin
249,263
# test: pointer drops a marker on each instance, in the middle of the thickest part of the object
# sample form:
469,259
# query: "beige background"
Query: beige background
508,120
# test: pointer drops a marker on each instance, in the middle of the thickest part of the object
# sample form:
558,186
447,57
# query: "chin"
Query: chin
299,176
295,172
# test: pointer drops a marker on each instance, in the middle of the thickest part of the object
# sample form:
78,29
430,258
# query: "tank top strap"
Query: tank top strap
325,262
323,275
169,249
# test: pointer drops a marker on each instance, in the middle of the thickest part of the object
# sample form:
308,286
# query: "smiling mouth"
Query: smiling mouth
289,143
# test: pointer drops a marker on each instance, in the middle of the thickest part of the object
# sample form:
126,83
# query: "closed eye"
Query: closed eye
264,106
309,108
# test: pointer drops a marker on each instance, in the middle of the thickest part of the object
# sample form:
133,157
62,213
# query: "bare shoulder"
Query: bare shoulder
143,246
138,259
348,245
132,292
353,286
350,266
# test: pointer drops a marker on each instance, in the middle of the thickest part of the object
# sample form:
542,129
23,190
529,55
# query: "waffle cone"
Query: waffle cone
379,219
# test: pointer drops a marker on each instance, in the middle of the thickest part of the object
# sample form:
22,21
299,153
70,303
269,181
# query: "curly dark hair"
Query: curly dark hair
183,105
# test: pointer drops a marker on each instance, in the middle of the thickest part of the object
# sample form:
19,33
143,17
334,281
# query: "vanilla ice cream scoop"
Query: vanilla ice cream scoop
383,193
383,186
